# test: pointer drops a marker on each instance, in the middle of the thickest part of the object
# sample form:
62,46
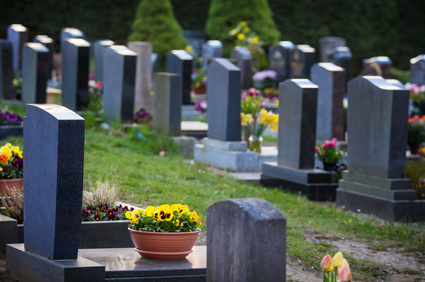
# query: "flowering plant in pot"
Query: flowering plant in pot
334,267
415,132
7,118
329,154
199,82
164,232
11,167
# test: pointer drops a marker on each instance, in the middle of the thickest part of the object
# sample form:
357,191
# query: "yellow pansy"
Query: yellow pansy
165,213
194,216
10,146
17,151
6,150
241,36
150,211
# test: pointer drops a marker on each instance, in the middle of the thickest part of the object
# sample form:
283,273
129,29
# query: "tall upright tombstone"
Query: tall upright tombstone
377,132
168,101
330,112
417,70
180,62
279,59
68,33
48,42
327,45
75,73
210,50
18,35
378,66
341,56
235,248
99,51
243,61
143,97
7,91
294,169
302,59
119,85
35,72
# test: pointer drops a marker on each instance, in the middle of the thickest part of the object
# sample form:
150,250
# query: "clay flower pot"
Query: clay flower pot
163,245
11,183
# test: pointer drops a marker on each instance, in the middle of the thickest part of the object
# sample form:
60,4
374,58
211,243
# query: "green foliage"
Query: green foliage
191,14
401,75
225,15
155,22
415,171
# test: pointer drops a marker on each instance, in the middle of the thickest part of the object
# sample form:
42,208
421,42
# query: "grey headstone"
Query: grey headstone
330,111
341,56
243,61
48,42
155,61
279,59
224,101
53,180
301,60
35,71
417,70
143,97
75,73
379,66
119,85
297,123
99,50
195,38
327,44
69,32
237,248
377,127
6,70
18,35
168,103
210,50
180,62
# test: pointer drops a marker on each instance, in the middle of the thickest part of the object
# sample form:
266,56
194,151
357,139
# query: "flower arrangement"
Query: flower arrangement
415,132
417,93
11,162
199,79
336,266
103,212
328,152
201,106
251,102
7,118
266,81
14,204
165,218
142,116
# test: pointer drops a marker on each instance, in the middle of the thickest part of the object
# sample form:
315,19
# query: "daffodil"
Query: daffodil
241,36
246,119
188,48
255,40
242,23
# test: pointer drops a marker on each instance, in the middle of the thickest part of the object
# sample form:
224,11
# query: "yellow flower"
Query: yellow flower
150,211
276,102
246,119
326,262
15,82
343,263
337,259
242,23
203,79
233,31
17,151
194,216
200,60
6,150
10,146
165,213
197,84
241,36
135,216
188,48
255,40
246,29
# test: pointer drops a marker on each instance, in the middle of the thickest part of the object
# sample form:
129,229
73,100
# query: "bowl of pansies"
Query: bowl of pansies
165,232
11,168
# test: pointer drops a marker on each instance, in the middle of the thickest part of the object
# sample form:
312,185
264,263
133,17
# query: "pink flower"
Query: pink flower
251,92
326,262
243,97
316,149
91,76
344,274
99,84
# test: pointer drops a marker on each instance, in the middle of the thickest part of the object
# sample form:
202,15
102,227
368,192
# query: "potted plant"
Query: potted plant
164,232
415,133
329,154
10,124
11,167
266,81
199,82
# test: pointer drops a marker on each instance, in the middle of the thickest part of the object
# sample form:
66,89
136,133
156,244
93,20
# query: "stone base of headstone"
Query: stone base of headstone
28,266
189,113
389,199
9,233
186,145
314,183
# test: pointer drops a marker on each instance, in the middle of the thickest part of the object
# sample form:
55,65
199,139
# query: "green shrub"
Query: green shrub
401,75
155,22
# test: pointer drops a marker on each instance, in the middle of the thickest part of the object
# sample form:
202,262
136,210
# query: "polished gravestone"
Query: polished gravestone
279,59
7,91
377,130
35,72
243,61
99,51
301,60
417,70
68,33
48,42
294,169
180,62
377,66
210,50
327,45
18,35
341,56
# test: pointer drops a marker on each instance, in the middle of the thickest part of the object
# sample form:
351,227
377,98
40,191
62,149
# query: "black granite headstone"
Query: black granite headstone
99,50
341,56
417,70
243,61
327,44
48,42
75,73
119,83
279,59
301,60
237,248
7,91
180,62
35,72
69,32
210,50
18,35
224,101
53,180
378,66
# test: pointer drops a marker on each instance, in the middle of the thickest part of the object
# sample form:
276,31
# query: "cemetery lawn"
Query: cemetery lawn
147,178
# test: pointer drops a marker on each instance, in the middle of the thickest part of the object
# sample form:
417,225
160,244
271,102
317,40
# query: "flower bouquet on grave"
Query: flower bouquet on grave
266,81
164,232
415,132
199,82
11,167
335,267
417,96
330,155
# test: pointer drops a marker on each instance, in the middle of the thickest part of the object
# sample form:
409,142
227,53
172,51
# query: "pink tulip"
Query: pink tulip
99,84
91,76
326,262
243,97
316,149
345,274
251,92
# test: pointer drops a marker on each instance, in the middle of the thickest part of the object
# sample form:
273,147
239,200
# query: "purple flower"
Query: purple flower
142,116
201,106
18,163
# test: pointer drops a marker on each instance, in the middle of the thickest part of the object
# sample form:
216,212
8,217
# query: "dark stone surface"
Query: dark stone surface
330,111
279,59
327,45
237,248
105,234
35,72
48,42
243,62
379,66
53,180
27,266
297,123
168,103
75,73
7,91
99,50
301,59
302,176
69,32
180,62
210,50
224,101
119,83
8,233
377,127
341,56
11,130
18,35
417,70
